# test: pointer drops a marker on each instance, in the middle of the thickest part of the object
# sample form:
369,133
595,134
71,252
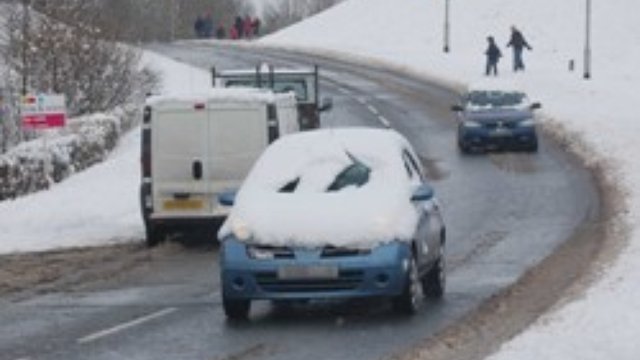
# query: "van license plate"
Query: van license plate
307,272
183,204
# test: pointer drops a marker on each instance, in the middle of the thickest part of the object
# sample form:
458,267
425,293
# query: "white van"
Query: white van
195,146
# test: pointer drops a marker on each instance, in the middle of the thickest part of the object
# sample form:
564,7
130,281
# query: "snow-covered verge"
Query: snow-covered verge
597,118
97,206
35,165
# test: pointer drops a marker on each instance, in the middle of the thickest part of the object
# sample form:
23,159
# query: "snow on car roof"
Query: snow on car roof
220,95
376,212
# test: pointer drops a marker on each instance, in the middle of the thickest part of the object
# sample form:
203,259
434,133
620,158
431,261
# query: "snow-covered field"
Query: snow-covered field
101,203
600,114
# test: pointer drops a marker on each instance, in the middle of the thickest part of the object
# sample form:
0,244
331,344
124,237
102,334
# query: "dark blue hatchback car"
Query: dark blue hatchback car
333,214
496,120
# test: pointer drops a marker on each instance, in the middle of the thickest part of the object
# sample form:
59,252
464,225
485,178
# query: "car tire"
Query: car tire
236,309
408,303
435,281
154,236
533,147
464,149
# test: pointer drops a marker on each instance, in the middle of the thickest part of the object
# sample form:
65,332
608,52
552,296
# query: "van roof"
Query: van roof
222,95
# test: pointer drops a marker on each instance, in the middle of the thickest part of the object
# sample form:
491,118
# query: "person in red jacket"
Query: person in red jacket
248,27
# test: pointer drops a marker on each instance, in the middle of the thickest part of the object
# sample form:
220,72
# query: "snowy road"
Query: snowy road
505,213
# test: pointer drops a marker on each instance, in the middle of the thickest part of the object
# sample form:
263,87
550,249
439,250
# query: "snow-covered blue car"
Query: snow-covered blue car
496,120
329,214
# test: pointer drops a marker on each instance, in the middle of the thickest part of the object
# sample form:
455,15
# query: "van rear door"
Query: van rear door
239,134
180,149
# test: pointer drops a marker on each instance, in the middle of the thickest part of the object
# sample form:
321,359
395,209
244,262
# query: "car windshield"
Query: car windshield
356,174
280,86
494,99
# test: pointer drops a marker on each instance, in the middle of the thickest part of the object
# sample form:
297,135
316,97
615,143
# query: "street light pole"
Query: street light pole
587,43
446,26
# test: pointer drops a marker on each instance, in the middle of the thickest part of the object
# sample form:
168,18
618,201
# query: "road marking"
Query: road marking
103,333
384,121
373,110
344,91
361,100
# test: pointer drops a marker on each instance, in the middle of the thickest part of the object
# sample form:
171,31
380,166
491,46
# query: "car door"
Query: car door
423,228
429,227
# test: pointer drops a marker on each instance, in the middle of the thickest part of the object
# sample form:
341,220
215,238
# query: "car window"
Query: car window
298,87
412,163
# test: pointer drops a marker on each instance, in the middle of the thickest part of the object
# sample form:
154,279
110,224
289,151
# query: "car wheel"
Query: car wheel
533,147
412,296
154,235
435,280
464,149
236,309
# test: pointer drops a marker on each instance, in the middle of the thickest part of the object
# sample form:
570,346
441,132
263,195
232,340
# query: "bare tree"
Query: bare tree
64,51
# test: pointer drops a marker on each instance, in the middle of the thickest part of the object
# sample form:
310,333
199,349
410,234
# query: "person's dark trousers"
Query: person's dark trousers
518,64
492,67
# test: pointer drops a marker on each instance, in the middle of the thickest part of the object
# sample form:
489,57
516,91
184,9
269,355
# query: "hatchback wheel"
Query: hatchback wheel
435,281
411,298
236,309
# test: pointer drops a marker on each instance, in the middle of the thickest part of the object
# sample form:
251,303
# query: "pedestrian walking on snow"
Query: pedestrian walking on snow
517,43
493,54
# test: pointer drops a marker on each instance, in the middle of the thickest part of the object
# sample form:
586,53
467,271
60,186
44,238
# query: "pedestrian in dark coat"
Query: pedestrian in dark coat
517,43
221,33
198,25
239,25
493,54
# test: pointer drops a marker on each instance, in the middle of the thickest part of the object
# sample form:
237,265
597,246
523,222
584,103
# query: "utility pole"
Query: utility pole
587,43
446,26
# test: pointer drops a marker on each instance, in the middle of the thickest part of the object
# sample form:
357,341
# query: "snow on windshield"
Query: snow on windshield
341,187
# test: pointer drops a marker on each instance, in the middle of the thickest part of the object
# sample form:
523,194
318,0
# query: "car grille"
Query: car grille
499,124
347,280
331,251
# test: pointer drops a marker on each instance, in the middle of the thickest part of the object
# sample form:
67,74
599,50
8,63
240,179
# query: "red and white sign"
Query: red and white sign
43,111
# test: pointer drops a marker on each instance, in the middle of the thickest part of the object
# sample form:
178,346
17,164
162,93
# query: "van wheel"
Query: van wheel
412,296
236,309
154,236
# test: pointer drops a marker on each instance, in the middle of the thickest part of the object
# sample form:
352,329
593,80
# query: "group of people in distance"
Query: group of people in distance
517,42
242,28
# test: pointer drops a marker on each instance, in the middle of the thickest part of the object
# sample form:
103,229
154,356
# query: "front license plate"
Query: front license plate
183,204
500,133
307,272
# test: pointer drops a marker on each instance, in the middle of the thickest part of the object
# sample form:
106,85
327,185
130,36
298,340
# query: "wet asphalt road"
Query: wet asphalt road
504,213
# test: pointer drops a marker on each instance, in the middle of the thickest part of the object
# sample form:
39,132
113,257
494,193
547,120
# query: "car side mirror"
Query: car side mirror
457,108
327,104
227,197
535,106
423,193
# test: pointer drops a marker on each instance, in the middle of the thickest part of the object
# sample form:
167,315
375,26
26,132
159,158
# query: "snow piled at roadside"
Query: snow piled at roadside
97,206
598,117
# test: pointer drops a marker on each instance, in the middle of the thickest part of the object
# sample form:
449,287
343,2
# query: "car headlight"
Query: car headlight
527,123
241,230
471,124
